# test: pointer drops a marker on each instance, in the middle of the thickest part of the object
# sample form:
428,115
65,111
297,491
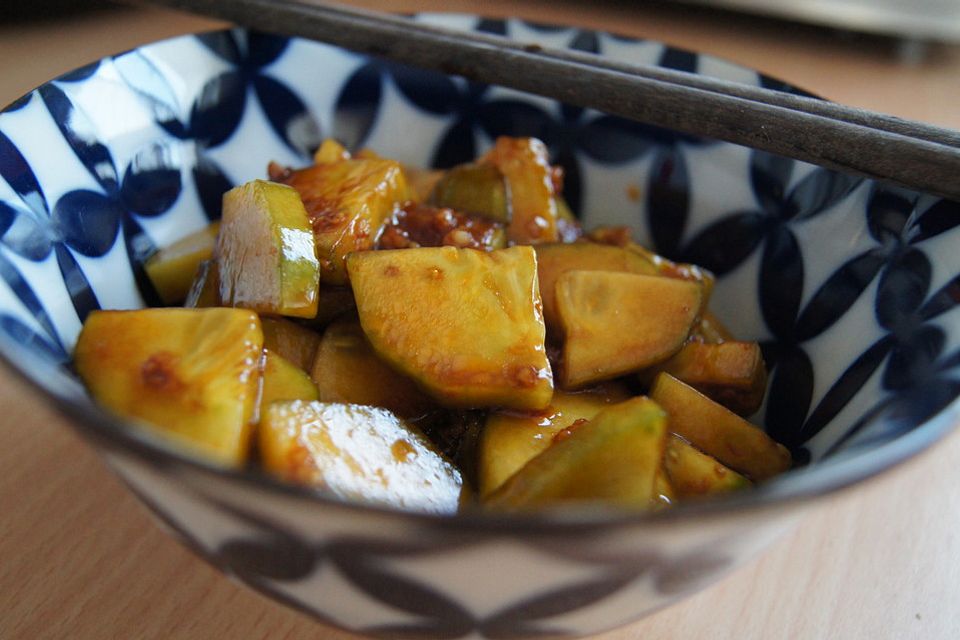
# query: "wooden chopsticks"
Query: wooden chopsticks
910,154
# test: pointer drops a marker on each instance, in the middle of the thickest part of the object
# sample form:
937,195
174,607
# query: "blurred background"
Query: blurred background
897,56
916,20
919,21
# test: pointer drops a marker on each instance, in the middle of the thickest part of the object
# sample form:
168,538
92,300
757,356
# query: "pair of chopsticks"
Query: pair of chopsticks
906,153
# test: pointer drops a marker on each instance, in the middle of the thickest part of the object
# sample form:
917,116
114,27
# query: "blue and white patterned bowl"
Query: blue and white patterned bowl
852,288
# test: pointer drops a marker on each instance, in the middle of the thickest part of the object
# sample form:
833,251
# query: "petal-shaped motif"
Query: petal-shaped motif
899,415
518,119
902,289
152,86
943,216
376,582
81,74
81,136
942,301
520,620
585,40
678,59
922,403
668,200
838,294
876,418
771,350
571,114
818,191
846,387
617,140
78,287
725,244
457,146
174,127
223,44
888,211
17,104
217,111
288,116
25,294
269,555
31,340
358,105
800,457
769,175
431,91
139,248
781,282
472,95
151,183
264,48
949,361
489,25
912,362
789,396
211,184
18,174
23,234
87,221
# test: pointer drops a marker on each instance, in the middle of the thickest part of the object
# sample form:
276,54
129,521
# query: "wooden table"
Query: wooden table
79,557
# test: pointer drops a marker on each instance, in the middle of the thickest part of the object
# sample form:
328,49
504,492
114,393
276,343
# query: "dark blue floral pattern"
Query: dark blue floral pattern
216,114
87,222
913,346
275,555
570,133
217,110
435,93
34,238
727,243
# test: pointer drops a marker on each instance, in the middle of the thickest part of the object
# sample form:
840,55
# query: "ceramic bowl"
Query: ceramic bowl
850,286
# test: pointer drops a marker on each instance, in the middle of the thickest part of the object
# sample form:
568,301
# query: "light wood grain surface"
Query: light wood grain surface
79,557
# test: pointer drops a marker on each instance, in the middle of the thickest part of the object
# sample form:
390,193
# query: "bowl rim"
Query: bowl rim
103,427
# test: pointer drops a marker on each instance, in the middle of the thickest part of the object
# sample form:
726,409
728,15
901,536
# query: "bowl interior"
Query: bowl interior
852,287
